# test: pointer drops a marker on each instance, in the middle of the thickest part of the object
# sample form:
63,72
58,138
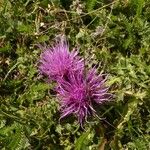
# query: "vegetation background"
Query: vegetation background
114,34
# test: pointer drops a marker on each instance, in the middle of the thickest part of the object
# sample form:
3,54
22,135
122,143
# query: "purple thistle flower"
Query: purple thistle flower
80,91
56,62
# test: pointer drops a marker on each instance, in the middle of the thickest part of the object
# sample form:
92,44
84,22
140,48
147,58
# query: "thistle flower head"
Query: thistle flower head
78,93
57,61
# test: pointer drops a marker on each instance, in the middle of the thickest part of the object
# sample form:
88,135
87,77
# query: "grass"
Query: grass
114,34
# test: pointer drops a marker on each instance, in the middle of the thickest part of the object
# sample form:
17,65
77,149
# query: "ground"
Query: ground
113,35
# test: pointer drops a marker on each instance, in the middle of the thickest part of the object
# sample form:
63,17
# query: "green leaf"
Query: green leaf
43,38
90,4
80,143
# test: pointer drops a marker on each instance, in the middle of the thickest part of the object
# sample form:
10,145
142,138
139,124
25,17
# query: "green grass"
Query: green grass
115,34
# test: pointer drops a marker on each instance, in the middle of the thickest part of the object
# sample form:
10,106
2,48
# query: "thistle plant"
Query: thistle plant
57,61
78,94
77,88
